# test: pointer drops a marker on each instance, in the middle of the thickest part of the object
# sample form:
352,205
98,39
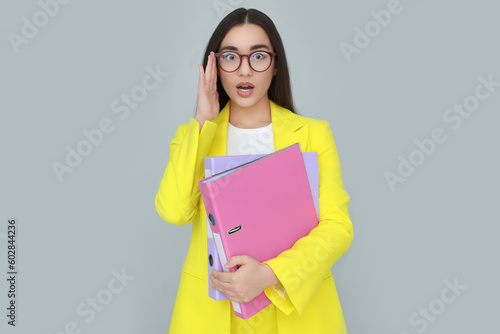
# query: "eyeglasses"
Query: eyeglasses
259,61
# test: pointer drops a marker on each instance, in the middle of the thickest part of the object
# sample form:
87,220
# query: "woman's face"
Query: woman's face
245,39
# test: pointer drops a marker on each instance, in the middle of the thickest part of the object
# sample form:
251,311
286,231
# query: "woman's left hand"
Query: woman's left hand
246,283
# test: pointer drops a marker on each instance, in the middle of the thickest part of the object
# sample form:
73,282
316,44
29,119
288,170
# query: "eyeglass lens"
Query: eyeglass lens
259,61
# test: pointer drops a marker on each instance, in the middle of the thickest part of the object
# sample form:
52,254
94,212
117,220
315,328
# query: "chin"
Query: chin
245,102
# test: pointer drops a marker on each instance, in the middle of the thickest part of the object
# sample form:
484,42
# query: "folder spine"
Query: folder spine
207,192
213,259
211,210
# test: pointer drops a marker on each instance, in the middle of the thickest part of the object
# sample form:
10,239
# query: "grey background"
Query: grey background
440,224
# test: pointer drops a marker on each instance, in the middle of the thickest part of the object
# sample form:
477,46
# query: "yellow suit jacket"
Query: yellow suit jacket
310,303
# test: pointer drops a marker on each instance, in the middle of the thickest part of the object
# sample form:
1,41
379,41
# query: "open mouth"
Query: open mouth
245,88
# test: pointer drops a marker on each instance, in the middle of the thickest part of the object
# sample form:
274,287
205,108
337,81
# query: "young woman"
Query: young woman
245,106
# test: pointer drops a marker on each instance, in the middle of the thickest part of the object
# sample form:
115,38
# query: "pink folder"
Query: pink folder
259,209
218,164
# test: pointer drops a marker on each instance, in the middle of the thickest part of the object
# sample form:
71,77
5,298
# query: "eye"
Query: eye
229,56
259,56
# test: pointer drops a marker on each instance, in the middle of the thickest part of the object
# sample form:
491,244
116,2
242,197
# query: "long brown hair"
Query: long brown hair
280,90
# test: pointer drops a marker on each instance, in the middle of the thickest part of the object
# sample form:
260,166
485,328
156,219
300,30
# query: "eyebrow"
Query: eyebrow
253,47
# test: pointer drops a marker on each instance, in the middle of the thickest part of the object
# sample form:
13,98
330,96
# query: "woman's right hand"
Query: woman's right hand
207,107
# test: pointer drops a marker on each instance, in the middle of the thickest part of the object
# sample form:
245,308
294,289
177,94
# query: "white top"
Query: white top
250,141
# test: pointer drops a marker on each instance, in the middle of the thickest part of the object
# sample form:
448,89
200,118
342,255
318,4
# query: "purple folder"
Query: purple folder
218,164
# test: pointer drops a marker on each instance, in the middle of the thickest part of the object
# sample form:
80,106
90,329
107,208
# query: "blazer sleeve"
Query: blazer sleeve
302,268
178,194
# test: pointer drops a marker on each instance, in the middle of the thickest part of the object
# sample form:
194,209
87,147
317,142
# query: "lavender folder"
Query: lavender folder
218,164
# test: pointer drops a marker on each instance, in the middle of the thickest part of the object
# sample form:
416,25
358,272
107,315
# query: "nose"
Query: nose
245,68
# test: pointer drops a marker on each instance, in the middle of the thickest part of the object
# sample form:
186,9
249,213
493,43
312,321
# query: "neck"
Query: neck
256,116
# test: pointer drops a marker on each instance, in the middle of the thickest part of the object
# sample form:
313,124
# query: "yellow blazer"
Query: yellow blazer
307,300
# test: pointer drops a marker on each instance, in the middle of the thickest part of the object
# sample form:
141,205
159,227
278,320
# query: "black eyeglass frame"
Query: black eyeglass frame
271,54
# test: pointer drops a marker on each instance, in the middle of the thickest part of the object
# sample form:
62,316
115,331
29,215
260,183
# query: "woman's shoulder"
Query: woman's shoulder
312,122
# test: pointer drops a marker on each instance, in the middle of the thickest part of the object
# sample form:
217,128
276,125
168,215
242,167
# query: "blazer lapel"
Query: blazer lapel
288,129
